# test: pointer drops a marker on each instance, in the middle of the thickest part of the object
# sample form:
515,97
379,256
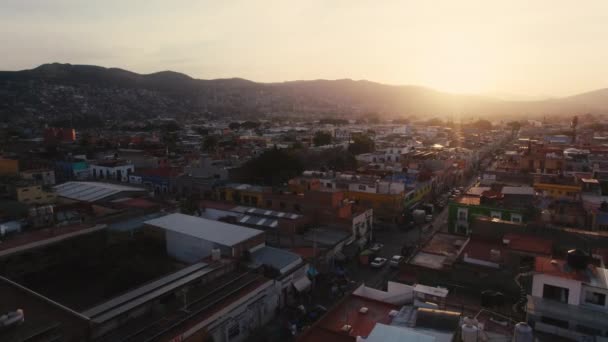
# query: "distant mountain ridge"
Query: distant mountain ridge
57,90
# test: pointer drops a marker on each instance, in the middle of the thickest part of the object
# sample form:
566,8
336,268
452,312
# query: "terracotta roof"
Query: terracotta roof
558,268
526,243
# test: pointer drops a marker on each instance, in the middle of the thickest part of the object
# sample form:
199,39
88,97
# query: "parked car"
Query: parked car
396,260
376,247
11,319
378,262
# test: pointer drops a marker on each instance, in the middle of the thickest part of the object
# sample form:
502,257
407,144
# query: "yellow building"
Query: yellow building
556,191
34,194
387,207
9,167
246,194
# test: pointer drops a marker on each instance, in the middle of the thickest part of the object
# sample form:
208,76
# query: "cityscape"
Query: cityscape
139,205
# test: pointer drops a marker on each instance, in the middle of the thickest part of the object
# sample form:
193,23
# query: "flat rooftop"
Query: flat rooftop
209,230
592,275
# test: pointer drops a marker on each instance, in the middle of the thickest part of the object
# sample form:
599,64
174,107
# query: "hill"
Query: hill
92,93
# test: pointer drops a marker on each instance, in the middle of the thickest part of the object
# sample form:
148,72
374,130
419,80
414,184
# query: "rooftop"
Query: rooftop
592,275
219,232
91,191
275,257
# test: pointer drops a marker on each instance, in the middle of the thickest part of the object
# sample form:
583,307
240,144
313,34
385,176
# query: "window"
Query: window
233,331
462,214
254,201
595,298
282,205
328,185
516,218
496,215
296,207
555,322
556,293
361,187
268,203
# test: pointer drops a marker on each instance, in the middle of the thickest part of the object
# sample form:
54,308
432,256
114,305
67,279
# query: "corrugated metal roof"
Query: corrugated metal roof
214,231
91,191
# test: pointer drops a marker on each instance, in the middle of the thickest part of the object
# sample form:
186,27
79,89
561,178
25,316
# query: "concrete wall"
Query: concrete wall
573,286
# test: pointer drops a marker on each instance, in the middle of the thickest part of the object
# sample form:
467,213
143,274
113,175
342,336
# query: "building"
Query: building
190,238
95,191
31,193
41,176
9,167
507,204
568,297
111,170
54,135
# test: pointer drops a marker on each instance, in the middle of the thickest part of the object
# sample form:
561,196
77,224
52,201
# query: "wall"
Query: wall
574,293
9,167
34,195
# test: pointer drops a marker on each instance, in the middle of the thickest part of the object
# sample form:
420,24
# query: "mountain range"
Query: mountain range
53,91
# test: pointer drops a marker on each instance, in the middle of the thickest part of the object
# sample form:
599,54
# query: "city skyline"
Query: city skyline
511,49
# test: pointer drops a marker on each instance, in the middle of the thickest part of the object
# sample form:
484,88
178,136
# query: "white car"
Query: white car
396,260
378,262
376,247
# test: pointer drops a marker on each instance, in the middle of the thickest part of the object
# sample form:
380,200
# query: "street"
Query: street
394,238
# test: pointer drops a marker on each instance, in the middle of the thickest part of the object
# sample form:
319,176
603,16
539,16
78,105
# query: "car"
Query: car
396,260
11,319
428,218
376,247
378,262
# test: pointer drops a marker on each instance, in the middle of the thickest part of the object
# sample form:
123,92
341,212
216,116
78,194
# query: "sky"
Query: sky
507,48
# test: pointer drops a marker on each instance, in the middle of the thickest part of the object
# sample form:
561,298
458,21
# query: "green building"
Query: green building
462,211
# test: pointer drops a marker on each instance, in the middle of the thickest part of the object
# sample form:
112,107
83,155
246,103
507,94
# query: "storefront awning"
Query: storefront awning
302,284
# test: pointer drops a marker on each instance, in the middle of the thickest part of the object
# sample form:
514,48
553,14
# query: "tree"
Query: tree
322,138
362,143
234,126
273,167
250,125
435,122
209,143
515,127
482,124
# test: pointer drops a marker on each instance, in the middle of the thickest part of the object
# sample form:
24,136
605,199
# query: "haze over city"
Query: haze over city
303,171
511,49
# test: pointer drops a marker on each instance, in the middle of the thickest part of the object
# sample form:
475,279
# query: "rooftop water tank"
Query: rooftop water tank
523,333
470,333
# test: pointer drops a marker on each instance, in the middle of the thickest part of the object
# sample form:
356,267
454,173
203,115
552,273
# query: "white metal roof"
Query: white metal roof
214,231
91,191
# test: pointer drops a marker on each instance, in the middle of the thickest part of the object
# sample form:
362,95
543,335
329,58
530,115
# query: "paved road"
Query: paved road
394,239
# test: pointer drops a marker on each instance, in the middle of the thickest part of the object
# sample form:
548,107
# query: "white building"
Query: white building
190,238
116,170
569,298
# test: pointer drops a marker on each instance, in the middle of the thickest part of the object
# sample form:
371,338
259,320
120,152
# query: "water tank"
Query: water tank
215,254
469,333
523,333
577,259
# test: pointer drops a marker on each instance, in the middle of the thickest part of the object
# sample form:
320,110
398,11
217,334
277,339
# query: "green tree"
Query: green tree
234,126
362,143
209,143
322,138
273,167
482,124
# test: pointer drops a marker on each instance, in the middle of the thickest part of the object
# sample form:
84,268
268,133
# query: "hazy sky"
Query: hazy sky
531,47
